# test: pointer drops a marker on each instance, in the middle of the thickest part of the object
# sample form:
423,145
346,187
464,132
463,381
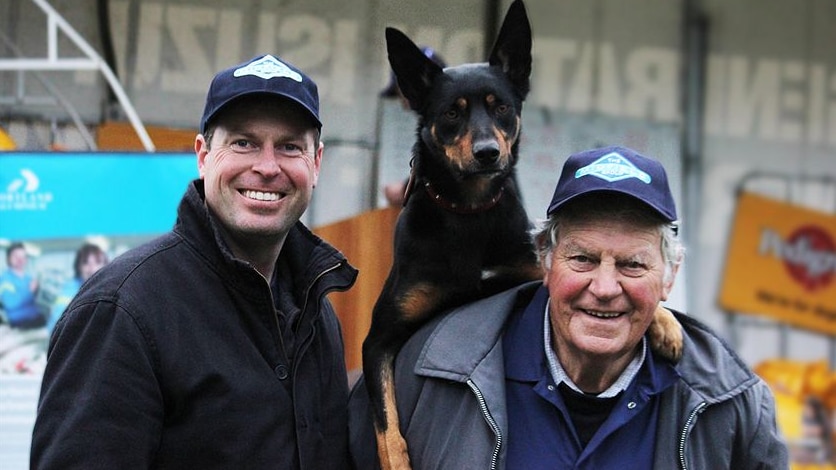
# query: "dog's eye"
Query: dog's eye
451,114
502,109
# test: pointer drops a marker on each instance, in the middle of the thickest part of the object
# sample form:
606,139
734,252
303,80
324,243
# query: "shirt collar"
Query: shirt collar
559,375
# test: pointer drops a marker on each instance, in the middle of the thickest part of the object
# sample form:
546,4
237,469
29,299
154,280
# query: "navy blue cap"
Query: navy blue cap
617,169
262,74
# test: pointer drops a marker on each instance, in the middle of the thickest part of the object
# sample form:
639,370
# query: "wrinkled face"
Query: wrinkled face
605,281
260,167
473,116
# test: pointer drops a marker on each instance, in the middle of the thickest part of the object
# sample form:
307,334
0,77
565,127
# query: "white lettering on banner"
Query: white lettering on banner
800,253
149,49
651,75
183,23
343,62
763,98
24,193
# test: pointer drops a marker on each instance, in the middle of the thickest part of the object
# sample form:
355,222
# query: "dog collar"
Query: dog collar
462,208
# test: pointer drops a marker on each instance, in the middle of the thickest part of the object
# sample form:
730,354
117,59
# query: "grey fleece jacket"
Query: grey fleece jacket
450,383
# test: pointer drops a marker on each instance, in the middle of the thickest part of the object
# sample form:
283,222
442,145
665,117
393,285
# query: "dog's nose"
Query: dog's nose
486,151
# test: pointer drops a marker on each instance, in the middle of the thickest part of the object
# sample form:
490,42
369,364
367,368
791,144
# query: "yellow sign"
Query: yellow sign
781,263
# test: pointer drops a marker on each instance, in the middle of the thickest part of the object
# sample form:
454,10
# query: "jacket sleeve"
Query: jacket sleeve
100,403
767,449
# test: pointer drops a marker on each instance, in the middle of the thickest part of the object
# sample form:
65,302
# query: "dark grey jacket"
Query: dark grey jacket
171,357
451,399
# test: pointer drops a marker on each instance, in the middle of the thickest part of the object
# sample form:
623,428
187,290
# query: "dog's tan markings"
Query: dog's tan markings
506,140
456,152
666,334
476,190
505,143
419,301
391,446
460,152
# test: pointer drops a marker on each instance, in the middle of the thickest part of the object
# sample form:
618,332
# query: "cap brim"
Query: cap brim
661,212
289,97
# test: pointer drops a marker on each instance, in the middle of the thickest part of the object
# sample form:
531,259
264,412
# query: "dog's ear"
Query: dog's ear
415,71
512,49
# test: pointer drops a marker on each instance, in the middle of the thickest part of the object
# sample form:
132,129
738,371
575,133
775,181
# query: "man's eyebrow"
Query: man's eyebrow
572,243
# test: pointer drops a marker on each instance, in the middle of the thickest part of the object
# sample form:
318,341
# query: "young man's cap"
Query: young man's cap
617,169
262,74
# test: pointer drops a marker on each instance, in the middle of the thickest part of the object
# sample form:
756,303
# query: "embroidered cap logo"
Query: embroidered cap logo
613,167
268,67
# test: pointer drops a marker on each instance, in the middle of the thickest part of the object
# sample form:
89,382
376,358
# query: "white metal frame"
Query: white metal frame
93,61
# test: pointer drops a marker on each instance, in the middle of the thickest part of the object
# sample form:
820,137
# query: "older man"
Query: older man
558,374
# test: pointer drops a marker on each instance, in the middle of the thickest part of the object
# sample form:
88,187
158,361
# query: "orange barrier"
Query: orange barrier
6,141
114,135
367,241
805,400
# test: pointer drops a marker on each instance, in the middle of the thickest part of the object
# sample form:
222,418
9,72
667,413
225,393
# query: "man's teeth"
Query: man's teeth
603,314
262,196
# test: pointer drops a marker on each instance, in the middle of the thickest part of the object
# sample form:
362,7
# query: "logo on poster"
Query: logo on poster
22,193
808,254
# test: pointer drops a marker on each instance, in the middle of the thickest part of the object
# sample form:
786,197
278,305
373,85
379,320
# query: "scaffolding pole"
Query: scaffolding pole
92,61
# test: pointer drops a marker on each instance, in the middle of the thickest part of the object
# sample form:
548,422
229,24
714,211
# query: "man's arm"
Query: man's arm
100,404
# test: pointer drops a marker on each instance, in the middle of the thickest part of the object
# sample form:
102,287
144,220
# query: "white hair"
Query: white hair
614,207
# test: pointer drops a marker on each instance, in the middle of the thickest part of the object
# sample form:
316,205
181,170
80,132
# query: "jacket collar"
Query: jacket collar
709,366
524,343
456,343
461,338
196,225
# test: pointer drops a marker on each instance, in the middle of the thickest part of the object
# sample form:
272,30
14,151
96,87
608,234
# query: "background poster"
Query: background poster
53,203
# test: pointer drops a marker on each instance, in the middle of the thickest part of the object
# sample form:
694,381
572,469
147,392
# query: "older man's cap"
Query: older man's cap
263,74
616,169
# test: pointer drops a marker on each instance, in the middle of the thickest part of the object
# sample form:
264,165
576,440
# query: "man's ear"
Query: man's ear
201,150
317,162
668,281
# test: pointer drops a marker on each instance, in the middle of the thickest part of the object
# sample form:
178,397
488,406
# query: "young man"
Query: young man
558,375
213,346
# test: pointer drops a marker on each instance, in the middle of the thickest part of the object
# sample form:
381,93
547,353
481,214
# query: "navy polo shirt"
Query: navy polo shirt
540,431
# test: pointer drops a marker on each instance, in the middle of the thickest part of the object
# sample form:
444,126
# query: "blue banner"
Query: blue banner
68,194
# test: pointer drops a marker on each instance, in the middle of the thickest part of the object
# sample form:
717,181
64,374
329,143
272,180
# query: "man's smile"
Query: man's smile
261,195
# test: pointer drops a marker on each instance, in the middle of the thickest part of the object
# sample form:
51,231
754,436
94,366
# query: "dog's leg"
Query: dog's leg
666,334
391,446
393,322
379,362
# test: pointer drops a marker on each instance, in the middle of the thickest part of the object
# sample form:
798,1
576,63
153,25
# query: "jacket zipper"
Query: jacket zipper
483,406
686,430
310,286
304,307
304,313
275,312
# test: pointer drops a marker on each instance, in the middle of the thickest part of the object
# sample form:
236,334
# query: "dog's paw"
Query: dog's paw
391,450
666,334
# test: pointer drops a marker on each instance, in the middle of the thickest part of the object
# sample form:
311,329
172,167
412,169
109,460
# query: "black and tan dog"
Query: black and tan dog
463,232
